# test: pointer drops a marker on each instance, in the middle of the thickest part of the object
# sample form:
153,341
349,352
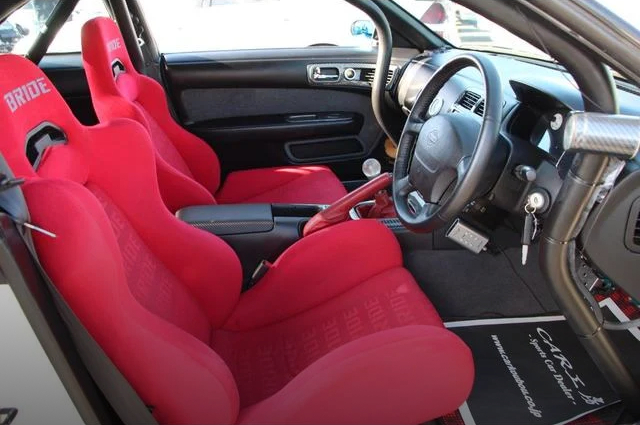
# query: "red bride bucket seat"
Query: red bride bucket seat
188,169
336,332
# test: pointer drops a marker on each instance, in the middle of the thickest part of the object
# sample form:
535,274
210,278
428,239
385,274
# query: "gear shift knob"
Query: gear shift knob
371,168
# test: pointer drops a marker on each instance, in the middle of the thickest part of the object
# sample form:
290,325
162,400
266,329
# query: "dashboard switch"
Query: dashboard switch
526,173
350,74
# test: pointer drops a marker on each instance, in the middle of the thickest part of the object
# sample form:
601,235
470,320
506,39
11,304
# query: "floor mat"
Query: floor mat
531,371
606,416
464,285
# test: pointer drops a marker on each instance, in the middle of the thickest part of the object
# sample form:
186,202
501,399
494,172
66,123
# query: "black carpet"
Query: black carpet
464,285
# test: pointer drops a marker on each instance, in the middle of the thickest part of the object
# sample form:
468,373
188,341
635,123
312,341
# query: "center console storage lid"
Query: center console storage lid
234,219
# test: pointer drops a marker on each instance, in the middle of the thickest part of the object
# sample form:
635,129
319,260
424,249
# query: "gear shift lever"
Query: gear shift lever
371,168
339,210
383,205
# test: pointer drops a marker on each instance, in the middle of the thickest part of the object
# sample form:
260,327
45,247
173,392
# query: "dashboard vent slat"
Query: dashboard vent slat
369,74
632,233
636,233
469,100
480,108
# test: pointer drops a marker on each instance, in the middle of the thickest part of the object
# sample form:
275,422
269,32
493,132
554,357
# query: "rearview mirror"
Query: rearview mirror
363,27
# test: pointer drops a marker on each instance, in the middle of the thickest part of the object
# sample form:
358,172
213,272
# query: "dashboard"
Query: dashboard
537,100
540,120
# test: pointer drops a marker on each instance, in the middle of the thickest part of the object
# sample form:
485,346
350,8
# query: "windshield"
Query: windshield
468,30
622,9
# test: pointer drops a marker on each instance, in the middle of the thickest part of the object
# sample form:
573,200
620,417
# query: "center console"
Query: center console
262,232
256,232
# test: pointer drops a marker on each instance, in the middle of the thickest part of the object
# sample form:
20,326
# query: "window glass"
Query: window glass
203,25
68,39
466,29
622,9
21,29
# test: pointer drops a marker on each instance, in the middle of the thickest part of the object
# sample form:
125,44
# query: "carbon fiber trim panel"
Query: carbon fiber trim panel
222,228
225,220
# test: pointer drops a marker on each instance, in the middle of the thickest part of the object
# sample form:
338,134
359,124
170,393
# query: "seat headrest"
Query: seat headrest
30,105
106,59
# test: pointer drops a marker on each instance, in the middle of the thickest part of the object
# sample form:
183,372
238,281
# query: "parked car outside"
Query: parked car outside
10,34
439,15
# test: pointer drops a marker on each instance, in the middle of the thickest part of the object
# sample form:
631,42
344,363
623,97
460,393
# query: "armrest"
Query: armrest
223,220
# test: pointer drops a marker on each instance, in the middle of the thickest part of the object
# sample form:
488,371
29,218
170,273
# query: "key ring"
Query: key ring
530,209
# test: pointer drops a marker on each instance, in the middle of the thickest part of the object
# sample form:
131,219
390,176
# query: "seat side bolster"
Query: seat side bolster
200,157
207,266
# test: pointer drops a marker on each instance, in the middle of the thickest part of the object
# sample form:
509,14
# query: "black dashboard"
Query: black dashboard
537,99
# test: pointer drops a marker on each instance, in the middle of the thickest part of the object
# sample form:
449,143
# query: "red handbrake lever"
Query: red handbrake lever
339,210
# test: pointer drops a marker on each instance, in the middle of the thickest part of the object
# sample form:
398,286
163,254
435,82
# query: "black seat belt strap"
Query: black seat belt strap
116,389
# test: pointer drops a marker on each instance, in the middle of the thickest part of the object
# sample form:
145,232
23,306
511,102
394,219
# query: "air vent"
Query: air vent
480,108
636,232
632,237
369,74
469,99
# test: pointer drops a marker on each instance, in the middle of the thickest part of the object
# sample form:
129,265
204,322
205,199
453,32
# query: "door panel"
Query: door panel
273,119
259,108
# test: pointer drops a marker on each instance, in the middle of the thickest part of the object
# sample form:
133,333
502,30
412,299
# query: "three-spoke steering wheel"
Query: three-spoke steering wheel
445,157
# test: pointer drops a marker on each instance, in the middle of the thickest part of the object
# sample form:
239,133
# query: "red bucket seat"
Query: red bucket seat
336,332
188,169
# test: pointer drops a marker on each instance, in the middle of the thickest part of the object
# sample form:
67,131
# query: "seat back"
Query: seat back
149,288
188,169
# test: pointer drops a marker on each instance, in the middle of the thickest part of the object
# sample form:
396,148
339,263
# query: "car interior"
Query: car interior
407,232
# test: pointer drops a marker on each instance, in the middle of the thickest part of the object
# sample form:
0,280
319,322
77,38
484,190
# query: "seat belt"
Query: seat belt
116,389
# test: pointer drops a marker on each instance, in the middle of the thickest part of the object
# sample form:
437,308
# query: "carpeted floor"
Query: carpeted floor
464,285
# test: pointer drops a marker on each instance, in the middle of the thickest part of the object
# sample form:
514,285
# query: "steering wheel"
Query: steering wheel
445,157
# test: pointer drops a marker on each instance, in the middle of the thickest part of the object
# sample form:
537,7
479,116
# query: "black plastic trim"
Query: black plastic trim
279,128
607,238
410,28
286,68
351,147
318,53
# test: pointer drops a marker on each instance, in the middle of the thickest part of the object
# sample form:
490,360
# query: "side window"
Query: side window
20,30
207,25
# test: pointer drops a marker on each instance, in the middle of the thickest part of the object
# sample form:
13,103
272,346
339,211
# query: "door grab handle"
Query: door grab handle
326,74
